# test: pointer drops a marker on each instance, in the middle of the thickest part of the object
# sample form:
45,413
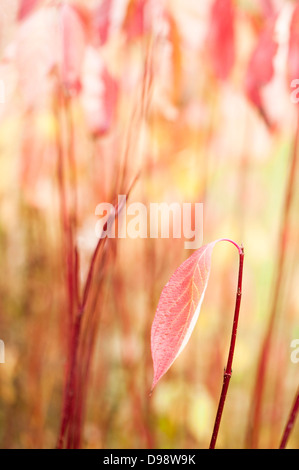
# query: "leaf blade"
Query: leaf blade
260,68
293,48
178,309
221,38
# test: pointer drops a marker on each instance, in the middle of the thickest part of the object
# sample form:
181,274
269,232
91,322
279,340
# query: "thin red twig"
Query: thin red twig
256,407
70,383
290,422
228,369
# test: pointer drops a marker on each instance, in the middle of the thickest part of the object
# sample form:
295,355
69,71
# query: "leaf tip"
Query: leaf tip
154,383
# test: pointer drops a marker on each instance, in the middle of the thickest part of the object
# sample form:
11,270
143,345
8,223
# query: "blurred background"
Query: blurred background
166,101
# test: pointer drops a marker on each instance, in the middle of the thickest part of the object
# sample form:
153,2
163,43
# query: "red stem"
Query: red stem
290,422
254,423
70,382
228,369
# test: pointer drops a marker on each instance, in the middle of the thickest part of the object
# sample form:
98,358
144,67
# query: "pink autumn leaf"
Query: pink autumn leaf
178,309
49,39
99,93
74,32
101,21
136,19
293,52
110,97
260,68
26,7
35,49
268,8
221,37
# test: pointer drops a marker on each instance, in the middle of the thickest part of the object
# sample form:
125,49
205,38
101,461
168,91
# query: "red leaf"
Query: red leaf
222,37
175,41
178,309
35,49
109,100
99,94
74,29
293,53
102,20
267,8
26,7
260,68
135,23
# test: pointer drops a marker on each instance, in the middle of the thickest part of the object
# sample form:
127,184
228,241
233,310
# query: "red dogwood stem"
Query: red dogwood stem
228,369
290,422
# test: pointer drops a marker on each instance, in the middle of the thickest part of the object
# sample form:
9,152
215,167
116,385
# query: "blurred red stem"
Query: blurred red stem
71,158
72,263
71,379
290,422
69,390
65,216
253,433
